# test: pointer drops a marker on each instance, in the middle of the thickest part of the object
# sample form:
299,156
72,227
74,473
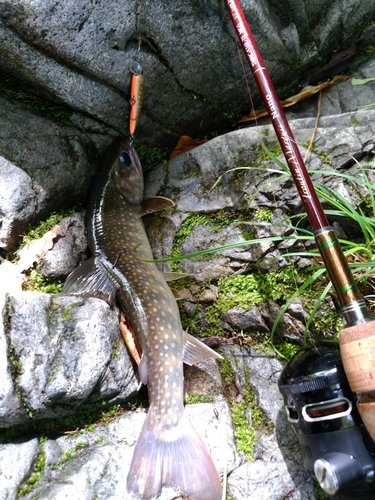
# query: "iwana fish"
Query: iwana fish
169,452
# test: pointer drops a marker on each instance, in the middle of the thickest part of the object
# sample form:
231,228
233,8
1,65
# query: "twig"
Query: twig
316,126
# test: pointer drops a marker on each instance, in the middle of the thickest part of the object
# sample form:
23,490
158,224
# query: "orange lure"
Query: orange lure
136,99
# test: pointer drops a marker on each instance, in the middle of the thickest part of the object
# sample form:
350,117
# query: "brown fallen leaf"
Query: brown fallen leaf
305,93
11,277
185,143
36,250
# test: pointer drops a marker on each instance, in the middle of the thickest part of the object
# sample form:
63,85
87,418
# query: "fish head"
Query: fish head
127,174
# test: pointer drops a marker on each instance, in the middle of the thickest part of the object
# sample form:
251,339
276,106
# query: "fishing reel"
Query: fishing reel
335,445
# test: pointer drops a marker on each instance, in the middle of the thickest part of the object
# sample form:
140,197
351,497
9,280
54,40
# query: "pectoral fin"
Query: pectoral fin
91,279
155,204
195,351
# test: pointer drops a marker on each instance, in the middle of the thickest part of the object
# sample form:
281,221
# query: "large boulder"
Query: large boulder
78,54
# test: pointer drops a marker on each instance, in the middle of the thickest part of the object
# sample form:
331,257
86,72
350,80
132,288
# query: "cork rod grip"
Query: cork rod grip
357,346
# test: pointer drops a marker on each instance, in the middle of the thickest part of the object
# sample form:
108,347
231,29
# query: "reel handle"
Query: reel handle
357,347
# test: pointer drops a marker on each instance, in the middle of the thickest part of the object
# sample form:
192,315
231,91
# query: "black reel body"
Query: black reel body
335,445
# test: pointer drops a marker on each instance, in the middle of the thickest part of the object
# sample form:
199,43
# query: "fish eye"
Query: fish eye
125,159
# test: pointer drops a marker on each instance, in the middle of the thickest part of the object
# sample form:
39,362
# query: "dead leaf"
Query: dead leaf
36,250
305,93
185,143
11,277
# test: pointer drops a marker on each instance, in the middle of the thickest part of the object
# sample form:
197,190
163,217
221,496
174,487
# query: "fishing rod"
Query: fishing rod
357,339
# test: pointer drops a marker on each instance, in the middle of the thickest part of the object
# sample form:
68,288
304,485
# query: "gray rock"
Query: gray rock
16,460
17,206
96,462
100,459
79,55
57,163
277,470
69,249
247,321
59,353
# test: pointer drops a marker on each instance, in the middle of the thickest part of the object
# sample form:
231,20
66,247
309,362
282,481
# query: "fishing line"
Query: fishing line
252,108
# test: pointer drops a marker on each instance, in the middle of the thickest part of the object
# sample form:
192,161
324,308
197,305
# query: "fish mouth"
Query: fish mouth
126,173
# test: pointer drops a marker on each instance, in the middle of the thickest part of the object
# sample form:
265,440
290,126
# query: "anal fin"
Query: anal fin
195,351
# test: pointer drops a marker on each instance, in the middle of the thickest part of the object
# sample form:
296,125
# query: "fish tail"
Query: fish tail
176,458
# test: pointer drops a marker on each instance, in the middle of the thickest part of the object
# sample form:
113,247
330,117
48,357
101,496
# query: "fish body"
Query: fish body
168,451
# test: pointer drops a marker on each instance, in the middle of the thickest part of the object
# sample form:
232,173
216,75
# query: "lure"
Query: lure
136,98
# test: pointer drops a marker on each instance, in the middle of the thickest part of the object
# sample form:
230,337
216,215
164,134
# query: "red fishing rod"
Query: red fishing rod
357,339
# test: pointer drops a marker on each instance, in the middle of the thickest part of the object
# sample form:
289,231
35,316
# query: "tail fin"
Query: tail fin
178,460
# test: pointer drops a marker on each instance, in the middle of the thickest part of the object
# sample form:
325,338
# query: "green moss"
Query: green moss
36,282
37,473
215,222
244,291
327,321
150,156
87,419
323,156
15,364
247,417
245,434
10,89
273,147
227,373
101,440
199,398
287,350
68,454
263,214
37,231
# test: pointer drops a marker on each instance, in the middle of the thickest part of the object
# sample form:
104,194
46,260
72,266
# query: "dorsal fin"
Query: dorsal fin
155,204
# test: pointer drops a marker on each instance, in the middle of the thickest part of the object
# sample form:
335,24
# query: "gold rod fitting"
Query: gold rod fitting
353,307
